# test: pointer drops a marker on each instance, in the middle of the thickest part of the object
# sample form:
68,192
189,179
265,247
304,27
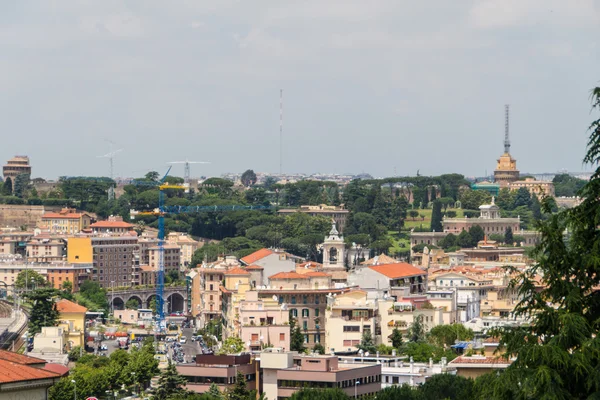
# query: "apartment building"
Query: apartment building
14,242
113,225
45,248
67,221
171,257
219,369
113,260
263,322
394,280
186,244
55,273
285,373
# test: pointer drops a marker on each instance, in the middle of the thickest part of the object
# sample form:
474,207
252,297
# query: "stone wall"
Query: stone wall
19,215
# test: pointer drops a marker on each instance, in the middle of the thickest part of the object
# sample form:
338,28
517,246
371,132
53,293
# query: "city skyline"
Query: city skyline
387,88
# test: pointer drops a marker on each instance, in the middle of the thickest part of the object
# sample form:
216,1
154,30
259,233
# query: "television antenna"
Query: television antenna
186,173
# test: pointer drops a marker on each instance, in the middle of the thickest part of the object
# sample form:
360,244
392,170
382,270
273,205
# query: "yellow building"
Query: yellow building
237,283
535,187
79,250
66,221
72,320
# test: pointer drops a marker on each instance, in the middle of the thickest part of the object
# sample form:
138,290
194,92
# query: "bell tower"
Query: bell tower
333,250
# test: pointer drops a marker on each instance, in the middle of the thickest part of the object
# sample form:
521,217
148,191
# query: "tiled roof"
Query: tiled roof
398,270
288,275
249,267
19,358
50,215
146,268
480,360
66,306
380,260
309,264
57,368
111,224
257,255
236,271
316,273
14,372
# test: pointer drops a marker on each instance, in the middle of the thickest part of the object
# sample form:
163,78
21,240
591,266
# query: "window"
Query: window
305,313
351,328
282,337
280,299
317,299
317,338
254,337
211,287
316,312
294,313
293,299
305,338
305,325
305,299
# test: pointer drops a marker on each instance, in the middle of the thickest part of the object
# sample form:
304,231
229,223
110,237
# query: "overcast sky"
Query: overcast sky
384,87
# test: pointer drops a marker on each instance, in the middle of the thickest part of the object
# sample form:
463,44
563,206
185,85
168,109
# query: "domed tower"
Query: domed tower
506,170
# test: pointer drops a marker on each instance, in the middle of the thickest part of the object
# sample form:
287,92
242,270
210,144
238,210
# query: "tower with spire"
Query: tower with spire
333,250
506,170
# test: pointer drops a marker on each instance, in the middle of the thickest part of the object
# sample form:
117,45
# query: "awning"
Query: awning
460,345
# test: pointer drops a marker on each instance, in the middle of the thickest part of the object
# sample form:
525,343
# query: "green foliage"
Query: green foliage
319,348
449,241
366,343
248,178
132,304
320,394
396,338
170,384
508,236
418,248
477,235
296,337
447,335
436,217
43,310
422,352
67,286
447,386
21,185
30,279
214,392
93,295
416,330
522,197
74,353
86,191
472,199
232,345
464,239
240,390
7,187
506,199
567,185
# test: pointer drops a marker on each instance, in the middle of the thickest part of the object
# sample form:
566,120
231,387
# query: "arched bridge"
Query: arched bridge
174,296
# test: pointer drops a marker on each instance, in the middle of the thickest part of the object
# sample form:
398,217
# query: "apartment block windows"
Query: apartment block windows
305,313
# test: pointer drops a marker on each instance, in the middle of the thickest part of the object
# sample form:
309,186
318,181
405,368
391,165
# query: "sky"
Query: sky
383,87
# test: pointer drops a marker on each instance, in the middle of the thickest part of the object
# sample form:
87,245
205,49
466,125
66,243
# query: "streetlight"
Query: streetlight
75,389
356,387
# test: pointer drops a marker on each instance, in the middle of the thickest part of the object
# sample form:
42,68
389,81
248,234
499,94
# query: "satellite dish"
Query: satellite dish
275,297
329,295
367,354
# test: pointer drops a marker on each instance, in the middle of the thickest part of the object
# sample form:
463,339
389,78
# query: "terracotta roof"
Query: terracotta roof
257,255
111,224
480,360
309,264
67,306
19,358
14,372
57,369
146,268
236,271
288,275
380,260
49,215
316,273
249,267
398,270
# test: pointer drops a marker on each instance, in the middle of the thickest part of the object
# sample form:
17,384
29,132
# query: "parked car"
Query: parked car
183,340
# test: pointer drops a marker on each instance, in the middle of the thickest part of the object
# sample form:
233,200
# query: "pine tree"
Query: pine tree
297,338
508,236
43,312
396,338
170,383
436,217
214,392
366,343
240,390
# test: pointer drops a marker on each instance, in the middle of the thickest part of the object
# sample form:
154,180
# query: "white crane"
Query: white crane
186,174
110,155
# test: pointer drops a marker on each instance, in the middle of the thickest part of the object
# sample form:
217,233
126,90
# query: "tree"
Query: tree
472,199
297,338
562,331
448,241
232,345
413,214
464,240
152,176
320,394
240,390
522,197
319,348
508,236
93,293
132,304
366,343
74,353
21,184
567,185
30,279
214,392
477,235
7,188
447,386
447,335
43,311
506,199
423,351
67,286
170,384
248,178
416,330
536,208
396,338
436,217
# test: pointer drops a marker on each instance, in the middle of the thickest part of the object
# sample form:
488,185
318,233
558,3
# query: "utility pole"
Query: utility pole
280,131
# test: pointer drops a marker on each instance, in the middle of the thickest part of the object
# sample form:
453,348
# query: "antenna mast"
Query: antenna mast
506,138
280,131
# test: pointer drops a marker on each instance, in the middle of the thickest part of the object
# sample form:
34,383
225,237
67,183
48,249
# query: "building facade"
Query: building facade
338,214
14,167
67,221
114,261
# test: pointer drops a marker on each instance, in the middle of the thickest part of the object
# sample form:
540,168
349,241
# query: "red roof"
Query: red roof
111,224
288,275
49,215
257,255
14,372
57,369
236,271
20,358
398,270
67,306
254,267
480,360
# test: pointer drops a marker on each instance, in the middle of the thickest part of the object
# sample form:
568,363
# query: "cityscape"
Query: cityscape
428,270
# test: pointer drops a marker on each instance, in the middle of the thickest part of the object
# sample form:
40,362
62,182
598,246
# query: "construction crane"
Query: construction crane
110,155
160,212
186,173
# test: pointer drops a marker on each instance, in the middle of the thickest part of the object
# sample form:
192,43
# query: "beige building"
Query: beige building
113,225
171,257
264,322
338,214
14,167
535,187
187,246
489,220
114,260
348,317
55,273
477,365
44,248
66,221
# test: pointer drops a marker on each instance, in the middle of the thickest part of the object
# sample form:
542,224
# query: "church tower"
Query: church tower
506,170
333,250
